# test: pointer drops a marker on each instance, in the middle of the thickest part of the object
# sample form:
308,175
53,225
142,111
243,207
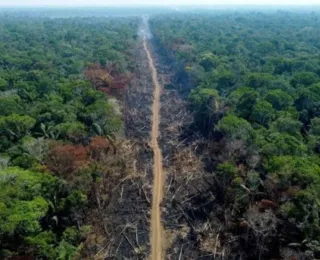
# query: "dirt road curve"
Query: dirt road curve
156,226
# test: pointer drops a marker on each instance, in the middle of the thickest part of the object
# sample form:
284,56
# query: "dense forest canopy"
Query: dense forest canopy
56,119
253,81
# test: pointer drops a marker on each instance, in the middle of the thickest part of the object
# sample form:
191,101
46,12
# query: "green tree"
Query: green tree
225,79
315,126
287,125
237,94
73,131
283,144
103,114
235,127
263,112
208,61
205,103
23,203
10,105
258,80
304,79
3,84
15,126
279,99
246,103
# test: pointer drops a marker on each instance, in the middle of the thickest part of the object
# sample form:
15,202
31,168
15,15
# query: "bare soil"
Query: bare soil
156,226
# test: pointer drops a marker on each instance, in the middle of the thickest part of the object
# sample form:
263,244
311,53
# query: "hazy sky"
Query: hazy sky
152,2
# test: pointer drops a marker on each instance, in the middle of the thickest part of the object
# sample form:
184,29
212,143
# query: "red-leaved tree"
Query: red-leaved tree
99,148
64,160
107,79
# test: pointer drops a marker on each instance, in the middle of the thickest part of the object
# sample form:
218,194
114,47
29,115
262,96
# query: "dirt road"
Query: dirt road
156,226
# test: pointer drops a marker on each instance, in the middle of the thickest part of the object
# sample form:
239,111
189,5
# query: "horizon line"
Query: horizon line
163,5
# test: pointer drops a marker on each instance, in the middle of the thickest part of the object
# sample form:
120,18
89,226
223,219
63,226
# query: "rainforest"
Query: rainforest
159,133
